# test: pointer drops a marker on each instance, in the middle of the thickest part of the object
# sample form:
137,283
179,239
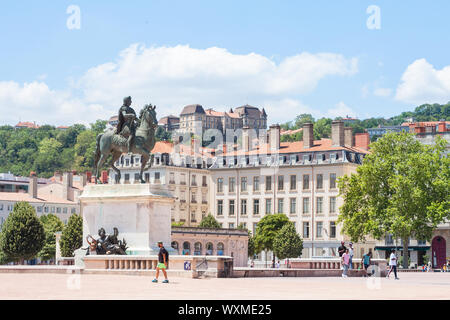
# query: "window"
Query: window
421,242
172,178
53,210
174,245
209,249
204,184
220,249
244,184
268,183
219,184
1,207
231,184
280,205
231,225
136,177
127,178
319,181
186,248
332,180
46,209
332,229
231,208
193,182
157,176
255,183
39,209
147,177
197,249
305,229
319,205
280,182
293,182
305,205
332,204
256,206
268,206
58,210
293,205
243,207
219,207
306,182
319,229
64,209
183,178
389,240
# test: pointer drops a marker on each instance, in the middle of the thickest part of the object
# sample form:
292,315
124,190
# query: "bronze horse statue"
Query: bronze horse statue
115,144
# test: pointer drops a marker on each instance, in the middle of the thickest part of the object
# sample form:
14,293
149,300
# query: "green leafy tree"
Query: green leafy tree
209,222
84,150
300,120
49,157
177,224
23,235
71,237
266,231
402,188
51,225
287,242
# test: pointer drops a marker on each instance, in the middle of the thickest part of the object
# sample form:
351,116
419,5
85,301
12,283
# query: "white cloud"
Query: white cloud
340,110
422,83
172,77
382,92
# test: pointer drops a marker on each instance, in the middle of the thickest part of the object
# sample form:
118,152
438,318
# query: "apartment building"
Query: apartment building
298,179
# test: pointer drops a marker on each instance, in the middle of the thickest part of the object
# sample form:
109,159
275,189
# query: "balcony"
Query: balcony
171,182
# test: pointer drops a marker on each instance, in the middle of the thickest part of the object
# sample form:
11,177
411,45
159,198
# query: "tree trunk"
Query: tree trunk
405,254
273,260
22,261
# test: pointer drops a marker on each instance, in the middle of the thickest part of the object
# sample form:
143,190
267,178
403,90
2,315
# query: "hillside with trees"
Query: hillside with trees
48,149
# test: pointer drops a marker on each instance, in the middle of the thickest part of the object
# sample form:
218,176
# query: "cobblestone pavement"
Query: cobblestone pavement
66,286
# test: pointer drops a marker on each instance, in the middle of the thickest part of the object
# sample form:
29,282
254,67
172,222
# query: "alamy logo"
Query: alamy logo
74,20
374,20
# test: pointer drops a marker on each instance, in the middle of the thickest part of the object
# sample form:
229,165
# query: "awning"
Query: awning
400,248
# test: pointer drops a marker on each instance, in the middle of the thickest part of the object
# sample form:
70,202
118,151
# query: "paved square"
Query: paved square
65,286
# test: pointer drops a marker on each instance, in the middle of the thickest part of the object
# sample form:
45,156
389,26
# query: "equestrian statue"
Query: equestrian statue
132,135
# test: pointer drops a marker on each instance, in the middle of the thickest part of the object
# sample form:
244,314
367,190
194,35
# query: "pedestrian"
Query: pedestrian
350,252
277,265
163,262
366,262
393,265
342,249
448,265
252,265
345,260
429,266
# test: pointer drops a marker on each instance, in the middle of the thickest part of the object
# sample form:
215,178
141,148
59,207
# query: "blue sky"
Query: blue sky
319,55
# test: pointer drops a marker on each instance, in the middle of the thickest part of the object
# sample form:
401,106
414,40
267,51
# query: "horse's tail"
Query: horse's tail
97,151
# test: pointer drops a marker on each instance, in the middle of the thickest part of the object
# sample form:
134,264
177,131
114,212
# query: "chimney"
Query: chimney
104,177
274,138
442,126
32,185
337,133
246,139
308,135
348,137
89,176
362,140
67,186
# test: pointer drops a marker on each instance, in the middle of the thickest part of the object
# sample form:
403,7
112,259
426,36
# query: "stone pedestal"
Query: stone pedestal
141,212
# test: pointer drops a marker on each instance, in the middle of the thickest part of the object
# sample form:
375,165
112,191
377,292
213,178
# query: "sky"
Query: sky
65,62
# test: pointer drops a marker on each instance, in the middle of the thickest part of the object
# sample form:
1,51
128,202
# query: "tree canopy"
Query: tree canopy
402,188
209,222
23,235
51,224
266,231
287,242
72,236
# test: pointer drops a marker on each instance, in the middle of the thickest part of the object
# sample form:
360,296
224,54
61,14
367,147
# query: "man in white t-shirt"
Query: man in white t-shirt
350,252
393,265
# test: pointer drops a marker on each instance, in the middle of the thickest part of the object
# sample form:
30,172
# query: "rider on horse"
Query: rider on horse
127,122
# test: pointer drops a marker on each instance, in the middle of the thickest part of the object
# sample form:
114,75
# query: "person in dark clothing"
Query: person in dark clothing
342,249
163,262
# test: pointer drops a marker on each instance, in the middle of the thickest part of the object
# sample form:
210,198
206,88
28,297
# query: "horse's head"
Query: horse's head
148,114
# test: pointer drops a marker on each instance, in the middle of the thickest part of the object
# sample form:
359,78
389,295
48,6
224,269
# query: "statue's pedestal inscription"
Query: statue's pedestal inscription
141,212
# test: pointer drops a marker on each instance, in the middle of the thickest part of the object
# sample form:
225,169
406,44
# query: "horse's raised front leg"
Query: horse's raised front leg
100,163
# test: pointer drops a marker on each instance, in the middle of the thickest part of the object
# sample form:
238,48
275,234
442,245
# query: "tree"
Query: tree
23,235
71,237
266,230
402,188
51,225
210,222
287,242
84,150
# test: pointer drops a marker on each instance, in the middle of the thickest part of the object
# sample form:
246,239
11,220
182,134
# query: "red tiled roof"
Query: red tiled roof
27,125
14,196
